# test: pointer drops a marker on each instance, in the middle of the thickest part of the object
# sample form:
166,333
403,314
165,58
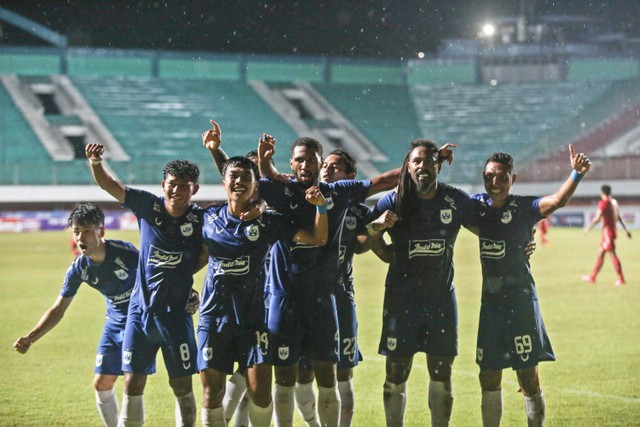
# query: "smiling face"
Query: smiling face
498,179
423,168
334,169
239,183
88,238
178,192
305,164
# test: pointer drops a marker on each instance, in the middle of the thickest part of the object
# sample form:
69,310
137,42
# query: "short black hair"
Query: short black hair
606,190
502,158
86,214
182,169
349,161
243,162
307,142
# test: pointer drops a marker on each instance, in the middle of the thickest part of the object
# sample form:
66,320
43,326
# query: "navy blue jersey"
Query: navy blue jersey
423,243
504,232
169,250
114,278
233,290
296,268
355,220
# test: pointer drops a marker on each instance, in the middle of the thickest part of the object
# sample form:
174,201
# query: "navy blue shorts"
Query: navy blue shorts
413,323
300,326
109,353
350,354
511,332
221,345
172,332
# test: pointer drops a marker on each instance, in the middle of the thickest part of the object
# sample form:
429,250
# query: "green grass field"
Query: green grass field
595,332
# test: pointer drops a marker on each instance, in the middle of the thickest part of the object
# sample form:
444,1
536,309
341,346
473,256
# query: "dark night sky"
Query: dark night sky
375,28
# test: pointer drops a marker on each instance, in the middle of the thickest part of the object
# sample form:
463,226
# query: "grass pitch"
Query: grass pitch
595,332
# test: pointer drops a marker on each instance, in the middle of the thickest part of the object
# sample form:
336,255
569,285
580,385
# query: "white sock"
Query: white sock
108,407
347,401
535,407
283,405
186,410
329,406
213,417
395,400
132,414
440,403
306,400
235,390
260,417
241,416
491,408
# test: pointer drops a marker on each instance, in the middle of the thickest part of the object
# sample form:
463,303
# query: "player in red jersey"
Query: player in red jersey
608,214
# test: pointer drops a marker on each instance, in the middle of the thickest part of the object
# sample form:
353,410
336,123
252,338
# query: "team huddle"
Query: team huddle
277,304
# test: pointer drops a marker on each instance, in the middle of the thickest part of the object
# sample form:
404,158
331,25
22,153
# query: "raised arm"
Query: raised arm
266,150
320,233
211,139
580,164
94,153
47,322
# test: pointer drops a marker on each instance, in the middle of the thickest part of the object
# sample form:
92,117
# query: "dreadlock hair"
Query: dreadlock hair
86,214
406,186
182,169
349,162
244,163
503,158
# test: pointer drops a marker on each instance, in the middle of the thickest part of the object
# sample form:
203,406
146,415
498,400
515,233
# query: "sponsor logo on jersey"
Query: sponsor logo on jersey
160,258
293,205
433,247
492,248
506,217
283,353
126,357
343,252
120,263
451,202
479,354
446,216
207,353
392,343
98,360
235,267
158,221
121,274
122,298
95,281
186,229
301,246
350,222
252,232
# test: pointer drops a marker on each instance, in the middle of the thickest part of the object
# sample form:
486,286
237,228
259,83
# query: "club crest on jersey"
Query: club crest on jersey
283,353
392,343
186,229
350,222
329,204
479,354
207,353
126,357
235,267
252,232
506,217
121,274
492,248
98,360
434,247
164,259
446,216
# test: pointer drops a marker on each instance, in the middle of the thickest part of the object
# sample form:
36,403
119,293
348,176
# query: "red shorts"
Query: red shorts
608,240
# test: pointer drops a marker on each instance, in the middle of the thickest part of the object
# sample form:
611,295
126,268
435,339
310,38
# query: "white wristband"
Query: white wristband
370,230
95,162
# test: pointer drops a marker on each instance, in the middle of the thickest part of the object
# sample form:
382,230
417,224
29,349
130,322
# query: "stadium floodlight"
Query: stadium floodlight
488,30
